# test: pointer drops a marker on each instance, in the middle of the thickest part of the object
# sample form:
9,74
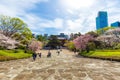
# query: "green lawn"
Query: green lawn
13,54
105,54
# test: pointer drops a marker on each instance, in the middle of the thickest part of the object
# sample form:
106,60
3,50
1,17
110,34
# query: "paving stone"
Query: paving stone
63,67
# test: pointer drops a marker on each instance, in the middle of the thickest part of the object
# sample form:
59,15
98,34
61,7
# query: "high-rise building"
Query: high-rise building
115,24
101,20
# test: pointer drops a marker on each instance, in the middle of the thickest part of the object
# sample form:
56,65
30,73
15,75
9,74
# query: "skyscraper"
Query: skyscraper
116,24
101,20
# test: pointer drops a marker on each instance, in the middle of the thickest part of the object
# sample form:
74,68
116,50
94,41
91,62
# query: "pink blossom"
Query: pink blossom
81,41
35,45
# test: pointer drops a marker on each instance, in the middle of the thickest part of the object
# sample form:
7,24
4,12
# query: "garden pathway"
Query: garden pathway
63,67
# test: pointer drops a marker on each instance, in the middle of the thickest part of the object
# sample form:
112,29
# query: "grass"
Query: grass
104,54
13,54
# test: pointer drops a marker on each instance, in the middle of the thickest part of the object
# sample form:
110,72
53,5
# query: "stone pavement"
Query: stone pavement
63,67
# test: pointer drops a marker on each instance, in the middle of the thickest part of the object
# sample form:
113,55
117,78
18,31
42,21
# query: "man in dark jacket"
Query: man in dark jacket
34,55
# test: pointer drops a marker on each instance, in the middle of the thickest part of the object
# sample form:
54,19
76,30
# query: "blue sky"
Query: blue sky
56,16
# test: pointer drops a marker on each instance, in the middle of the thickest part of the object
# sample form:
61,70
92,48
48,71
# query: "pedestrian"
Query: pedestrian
40,54
49,54
58,52
34,55
60,48
74,51
87,49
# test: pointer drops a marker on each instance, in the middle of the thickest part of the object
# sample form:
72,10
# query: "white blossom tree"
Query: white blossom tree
7,42
110,37
35,45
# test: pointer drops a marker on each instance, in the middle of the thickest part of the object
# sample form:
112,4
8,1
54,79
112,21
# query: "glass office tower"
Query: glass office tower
101,20
116,24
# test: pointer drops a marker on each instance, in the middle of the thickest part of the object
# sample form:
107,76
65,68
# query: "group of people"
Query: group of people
34,55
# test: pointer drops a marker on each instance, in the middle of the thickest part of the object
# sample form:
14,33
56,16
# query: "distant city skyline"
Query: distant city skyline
60,16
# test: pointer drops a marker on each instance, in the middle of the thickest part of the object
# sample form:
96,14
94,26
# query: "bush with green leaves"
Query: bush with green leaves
117,46
70,45
91,46
103,30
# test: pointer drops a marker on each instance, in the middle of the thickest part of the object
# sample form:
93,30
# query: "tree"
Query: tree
103,30
75,35
53,41
91,45
24,37
99,44
10,26
7,43
117,46
70,45
35,45
111,37
94,34
82,41
41,38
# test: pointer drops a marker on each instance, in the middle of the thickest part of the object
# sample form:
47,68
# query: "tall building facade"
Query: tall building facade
115,24
101,20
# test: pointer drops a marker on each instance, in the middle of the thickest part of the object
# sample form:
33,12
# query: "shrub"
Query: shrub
2,48
16,51
70,45
21,46
117,46
28,51
91,46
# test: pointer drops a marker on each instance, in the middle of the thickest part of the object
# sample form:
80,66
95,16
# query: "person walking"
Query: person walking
49,54
60,48
34,55
58,52
40,54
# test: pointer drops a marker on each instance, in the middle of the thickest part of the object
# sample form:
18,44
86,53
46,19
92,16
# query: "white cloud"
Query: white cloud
87,15
76,4
38,24
16,7
78,15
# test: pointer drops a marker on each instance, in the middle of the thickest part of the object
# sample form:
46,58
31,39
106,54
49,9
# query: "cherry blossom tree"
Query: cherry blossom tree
35,45
7,42
82,41
111,37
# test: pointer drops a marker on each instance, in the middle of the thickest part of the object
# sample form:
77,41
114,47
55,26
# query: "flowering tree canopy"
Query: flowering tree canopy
110,37
35,45
115,31
7,42
15,28
82,41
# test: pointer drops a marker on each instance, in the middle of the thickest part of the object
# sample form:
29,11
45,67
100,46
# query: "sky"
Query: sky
60,16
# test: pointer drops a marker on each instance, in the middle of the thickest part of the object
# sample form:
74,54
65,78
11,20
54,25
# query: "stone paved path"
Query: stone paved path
63,67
